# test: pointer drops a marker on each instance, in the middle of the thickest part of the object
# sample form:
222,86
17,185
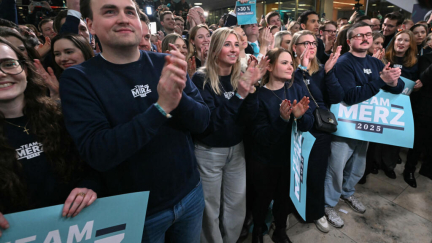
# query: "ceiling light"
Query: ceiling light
205,13
198,4
345,3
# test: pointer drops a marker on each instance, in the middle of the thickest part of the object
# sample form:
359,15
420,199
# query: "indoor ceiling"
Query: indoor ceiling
213,4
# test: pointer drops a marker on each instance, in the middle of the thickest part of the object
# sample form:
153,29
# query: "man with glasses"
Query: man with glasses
375,24
328,35
361,77
392,22
309,20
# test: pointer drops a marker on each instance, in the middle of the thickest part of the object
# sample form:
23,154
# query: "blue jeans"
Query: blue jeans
346,167
182,223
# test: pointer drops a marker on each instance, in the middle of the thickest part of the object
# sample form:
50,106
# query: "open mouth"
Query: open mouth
5,85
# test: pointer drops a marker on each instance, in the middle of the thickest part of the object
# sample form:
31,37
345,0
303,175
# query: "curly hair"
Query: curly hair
47,124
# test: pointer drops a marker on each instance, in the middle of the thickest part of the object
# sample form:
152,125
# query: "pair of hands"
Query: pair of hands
379,53
78,199
254,72
305,58
390,75
266,40
194,18
192,64
296,108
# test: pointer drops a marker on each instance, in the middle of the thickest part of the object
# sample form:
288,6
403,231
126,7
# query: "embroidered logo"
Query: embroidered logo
229,95
29,151
307,81
367,71
141,91
397,66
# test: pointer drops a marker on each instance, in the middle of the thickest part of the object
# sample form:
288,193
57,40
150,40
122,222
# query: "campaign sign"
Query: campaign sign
246,12
301,146
385,118
409,86
108,220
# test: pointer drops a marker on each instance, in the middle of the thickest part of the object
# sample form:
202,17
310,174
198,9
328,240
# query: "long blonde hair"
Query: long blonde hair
314,65
211,68
192,34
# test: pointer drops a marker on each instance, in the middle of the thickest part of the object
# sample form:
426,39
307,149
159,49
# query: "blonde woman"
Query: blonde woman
324,89
283,39
219,150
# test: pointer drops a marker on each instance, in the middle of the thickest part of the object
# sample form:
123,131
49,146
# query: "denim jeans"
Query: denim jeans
346,166
223,174
182,223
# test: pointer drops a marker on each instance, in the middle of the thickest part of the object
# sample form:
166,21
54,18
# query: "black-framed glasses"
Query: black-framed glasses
360,36
11,66
331,31
308,43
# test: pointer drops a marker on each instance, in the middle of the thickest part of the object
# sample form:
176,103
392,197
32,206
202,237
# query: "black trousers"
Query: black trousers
271,183
317,168
381,156
422,144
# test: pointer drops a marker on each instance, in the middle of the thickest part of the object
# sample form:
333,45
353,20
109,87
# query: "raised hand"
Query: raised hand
78,199
298,109
305,57
172,81
265,39
4,224
49,79
45,48
159,45
328,44
160,35
191,66
332,59
73,4
204,52
285,110
379,53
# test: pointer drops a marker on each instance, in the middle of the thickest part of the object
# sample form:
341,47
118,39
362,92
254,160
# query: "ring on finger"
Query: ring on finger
81,194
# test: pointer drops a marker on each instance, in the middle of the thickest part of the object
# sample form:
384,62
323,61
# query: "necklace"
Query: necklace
278,96
26,130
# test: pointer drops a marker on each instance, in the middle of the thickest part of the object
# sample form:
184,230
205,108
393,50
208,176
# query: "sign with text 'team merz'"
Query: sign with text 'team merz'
385,118
117,219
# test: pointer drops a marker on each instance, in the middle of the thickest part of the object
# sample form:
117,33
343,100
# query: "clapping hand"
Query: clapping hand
4,224
298,109
49,79
379,53
332,59
390,75
285,110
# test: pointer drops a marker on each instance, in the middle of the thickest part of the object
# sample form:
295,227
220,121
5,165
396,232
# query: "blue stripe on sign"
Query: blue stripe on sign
397,106
110,229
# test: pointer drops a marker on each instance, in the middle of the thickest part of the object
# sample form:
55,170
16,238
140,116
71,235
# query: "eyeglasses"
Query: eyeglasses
331,31
12,67
360,36
307,43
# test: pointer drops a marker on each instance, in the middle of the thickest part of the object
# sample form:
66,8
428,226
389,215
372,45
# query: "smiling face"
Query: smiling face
282,69
17,43
275,20
243,38
12,87
230,51
329,32
402,43
116,23
389,26
419,34
168,22
202,38
376,45
48,30
66,54
300,48
181,46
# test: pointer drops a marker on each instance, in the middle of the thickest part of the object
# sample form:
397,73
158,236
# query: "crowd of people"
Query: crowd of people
92,104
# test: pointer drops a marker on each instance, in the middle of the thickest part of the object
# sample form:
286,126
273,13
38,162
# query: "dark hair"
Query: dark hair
57,21
419,25
179,18
42,22
162,15
271,15
361,18
47,124
273,27
273,56
341,39
143,17
78,41
32,53
395,16
86,11
340,19
303,18
355,26
7,23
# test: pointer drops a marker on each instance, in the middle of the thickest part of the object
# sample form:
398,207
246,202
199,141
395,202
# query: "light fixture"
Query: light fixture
374,4
205,13
345,3
149,10
198,4
390,6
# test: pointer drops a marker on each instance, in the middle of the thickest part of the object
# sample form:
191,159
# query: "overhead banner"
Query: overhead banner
108,220
246,12
301,146
409,86
385,118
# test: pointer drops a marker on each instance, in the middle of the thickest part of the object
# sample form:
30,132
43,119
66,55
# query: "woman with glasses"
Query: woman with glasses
282,39
39,166
420,33
281,102
324,89
219,150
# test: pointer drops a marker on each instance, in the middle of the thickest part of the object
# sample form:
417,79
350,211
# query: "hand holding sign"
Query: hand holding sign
4,224
418,85
298,109
285,110
332,59
78,199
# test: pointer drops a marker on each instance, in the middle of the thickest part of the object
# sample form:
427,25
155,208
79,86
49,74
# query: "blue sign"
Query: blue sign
385,118
108,220
301,146
409,86
246,12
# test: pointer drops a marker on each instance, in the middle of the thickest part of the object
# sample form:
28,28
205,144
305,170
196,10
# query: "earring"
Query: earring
295,54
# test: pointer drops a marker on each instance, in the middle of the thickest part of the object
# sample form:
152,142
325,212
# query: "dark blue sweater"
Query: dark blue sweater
411,73
271,134
110,114
360,78
229,113
325,88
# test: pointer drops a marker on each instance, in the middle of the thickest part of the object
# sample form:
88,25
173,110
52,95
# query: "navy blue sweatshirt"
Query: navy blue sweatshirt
271,134
325,87
406,72
360,78
229,113
110,113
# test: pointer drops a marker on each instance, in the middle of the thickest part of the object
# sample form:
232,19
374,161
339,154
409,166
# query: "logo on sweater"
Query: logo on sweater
367,71
397,66
29,151
229,95
141,91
